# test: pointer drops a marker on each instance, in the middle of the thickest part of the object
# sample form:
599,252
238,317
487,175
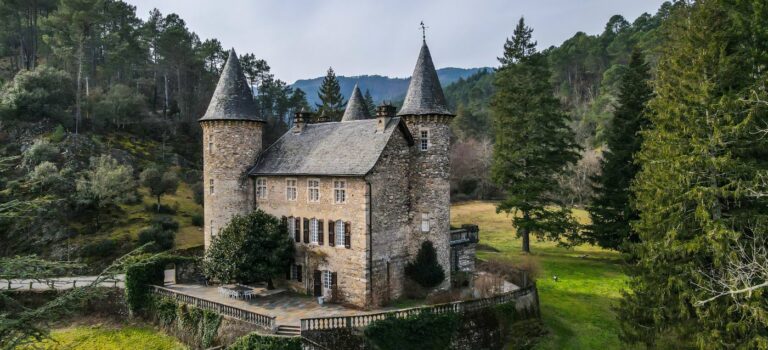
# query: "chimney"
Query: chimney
322,118
301,119
384,113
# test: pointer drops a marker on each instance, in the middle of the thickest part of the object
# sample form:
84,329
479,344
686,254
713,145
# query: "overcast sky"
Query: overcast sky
302,38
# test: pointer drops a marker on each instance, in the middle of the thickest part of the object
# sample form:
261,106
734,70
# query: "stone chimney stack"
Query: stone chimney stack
301,119
384,113
322,118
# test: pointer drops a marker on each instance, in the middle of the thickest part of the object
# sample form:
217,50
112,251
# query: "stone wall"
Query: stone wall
230,147
465,253
430,186
351,265
390,207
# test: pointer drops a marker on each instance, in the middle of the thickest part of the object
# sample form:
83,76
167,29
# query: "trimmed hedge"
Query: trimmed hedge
143,273
255,341
196,325
425,331
425,270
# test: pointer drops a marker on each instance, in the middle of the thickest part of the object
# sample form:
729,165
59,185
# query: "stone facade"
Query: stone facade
430,186
229,148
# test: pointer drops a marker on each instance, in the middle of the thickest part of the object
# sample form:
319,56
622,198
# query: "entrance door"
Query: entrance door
317,279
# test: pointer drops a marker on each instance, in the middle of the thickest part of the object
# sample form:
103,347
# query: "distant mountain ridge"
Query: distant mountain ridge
382,88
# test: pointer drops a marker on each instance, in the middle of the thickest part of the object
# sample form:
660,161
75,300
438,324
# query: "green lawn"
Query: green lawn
576,309
109,338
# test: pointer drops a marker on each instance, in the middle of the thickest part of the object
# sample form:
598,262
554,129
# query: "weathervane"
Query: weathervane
423,31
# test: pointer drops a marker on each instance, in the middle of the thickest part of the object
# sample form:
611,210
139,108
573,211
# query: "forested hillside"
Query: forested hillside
99,141
380,87
585,73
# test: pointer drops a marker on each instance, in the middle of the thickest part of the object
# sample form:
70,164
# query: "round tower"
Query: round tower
232,132
426,114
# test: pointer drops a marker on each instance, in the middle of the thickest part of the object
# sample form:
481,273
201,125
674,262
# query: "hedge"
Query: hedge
255,341
425,331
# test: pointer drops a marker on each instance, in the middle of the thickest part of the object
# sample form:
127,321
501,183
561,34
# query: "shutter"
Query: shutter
317,282
347,234
334,280
320,231
331,233
284,221
288,273
299,277
306,230
297,230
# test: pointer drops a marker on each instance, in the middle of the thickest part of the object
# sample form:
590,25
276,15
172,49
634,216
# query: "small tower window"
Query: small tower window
210,186
212,231
210,143
425,222
313,190
424,140
290,189
261,188
340,191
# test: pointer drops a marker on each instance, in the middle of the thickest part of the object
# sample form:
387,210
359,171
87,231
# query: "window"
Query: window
313,190
296,272
314,231
261,188
212,231
290,189
291,226
340,191
340,233
424,140
210,143
210,186
424,222
327,279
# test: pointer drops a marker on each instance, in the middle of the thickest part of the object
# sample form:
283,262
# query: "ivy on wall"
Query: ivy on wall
197,327
142,273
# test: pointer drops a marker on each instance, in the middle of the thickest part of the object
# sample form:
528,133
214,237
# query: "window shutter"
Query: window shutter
331,233
320,231
347,234
288,273
297,230
306,230
298,273
334,279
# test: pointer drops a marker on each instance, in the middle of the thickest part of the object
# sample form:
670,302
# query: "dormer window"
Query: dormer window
424,141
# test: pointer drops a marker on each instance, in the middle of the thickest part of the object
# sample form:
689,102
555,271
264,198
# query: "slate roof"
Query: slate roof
349,148
425,95
356,108
233,97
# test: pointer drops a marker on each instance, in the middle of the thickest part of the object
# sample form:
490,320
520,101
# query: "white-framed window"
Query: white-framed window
424,222
313,190
424,140
340,191
291,226
314,231
327,279
210,186
210,143
261,188
213,233
339,233
290,189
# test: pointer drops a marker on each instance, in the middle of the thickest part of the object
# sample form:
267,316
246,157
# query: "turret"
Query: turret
428,118
356,108
232,132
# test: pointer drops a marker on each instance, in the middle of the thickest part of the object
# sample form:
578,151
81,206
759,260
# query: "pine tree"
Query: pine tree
533,143
520,45
369,102
331,97
611,211
701,190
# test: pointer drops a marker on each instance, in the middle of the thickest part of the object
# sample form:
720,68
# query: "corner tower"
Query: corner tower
232,131
427,116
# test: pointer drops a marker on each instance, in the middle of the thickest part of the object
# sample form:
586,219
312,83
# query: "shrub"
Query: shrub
425,270
140,274
166,223
425,331
254,341
197,192
164,209
101,249
42,93
197,220
163,238
58,134
40,151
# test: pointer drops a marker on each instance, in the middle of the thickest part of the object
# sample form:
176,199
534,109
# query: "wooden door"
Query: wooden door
317,279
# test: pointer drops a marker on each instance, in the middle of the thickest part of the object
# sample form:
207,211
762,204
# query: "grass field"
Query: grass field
577,308
109,338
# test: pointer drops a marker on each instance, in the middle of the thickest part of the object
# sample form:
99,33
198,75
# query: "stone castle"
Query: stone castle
359,196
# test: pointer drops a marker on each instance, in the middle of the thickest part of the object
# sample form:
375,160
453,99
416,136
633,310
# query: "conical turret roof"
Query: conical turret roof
356,109
233,97
425,95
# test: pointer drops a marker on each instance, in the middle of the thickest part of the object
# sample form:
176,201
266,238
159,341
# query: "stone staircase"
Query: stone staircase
288,331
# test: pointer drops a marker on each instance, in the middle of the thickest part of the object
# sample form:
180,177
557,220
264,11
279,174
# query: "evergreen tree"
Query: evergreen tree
701,190
533,142
369,102
611,211
331,97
